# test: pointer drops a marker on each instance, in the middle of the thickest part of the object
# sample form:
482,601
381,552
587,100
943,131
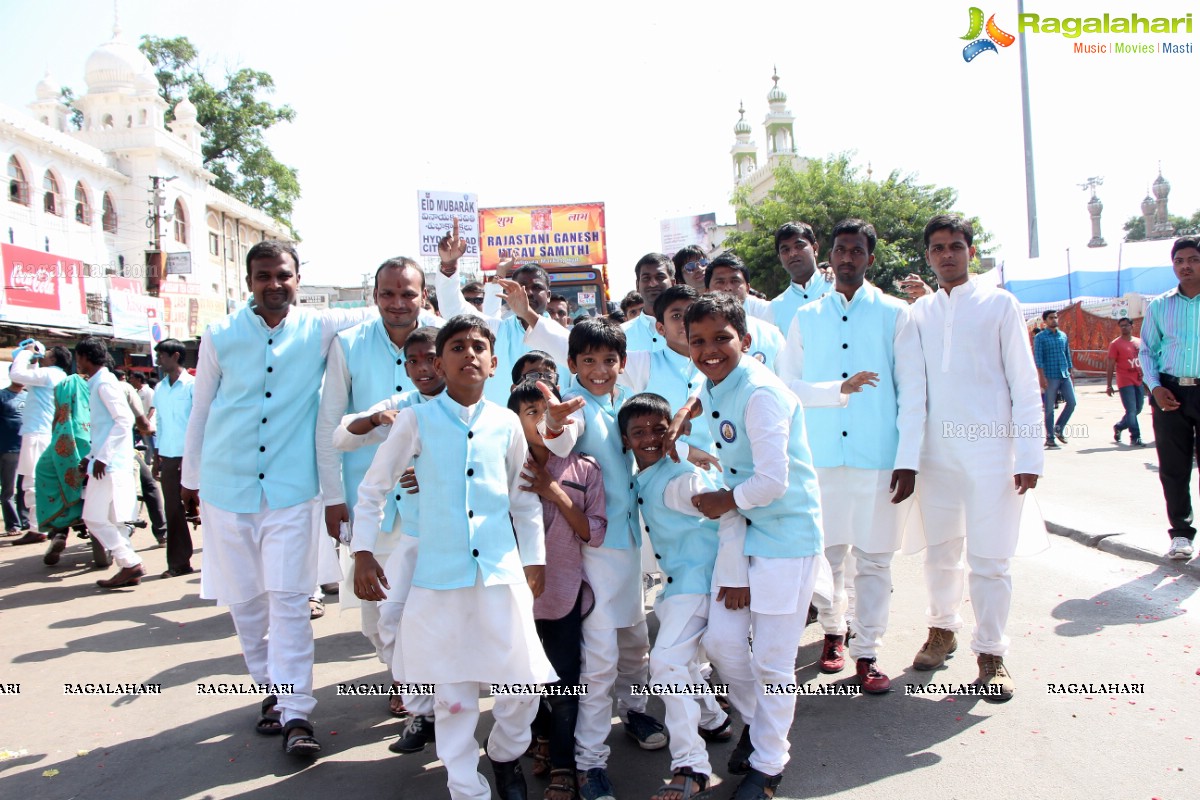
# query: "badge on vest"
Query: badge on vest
761,356
728,431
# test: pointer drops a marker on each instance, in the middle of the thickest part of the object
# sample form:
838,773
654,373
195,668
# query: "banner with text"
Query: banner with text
131,309
187,312
42,288
437,212
682,232
556,236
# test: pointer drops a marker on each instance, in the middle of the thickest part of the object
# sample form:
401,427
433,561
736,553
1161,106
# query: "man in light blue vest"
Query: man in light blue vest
727,273
39,370
867,450
760,432
527,294
367,366
111,495
796,246
654,273
250,466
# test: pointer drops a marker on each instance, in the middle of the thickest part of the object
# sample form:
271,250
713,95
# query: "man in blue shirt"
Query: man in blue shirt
173,406
1170,359
1052,356
12,409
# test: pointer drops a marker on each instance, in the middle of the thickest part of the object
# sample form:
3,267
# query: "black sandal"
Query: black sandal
695,786
757,786
739,759
721,733
268,723
305,744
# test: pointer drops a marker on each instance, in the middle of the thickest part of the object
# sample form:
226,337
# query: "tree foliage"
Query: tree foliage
1135,227
235,119
828,191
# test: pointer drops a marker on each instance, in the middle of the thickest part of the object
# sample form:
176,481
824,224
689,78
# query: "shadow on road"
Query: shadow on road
1149,598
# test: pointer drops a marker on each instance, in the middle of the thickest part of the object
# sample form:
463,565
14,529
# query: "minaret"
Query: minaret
49,109
1094,207
781,142
744,151
1162,222
1148,214
186,127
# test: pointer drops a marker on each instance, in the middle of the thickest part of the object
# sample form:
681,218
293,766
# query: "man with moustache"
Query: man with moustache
797,249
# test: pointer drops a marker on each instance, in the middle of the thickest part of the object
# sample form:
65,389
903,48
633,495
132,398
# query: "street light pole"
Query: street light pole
1030,192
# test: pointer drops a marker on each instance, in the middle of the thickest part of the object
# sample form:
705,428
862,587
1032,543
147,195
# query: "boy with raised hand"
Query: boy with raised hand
572,494
616,644
369,581
759,427
686,547
480,561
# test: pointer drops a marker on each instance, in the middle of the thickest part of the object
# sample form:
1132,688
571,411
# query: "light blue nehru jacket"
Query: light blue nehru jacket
510,346
261,430
685,547
39,409
765,341
784,306
841,339
640,334
676,378
121,458
407,505
465,527
601,440
789,527
376,367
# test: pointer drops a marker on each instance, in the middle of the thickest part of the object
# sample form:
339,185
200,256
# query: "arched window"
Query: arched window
52,199
181,226
106,121
18,186
83,207
214,235
109,214
230,244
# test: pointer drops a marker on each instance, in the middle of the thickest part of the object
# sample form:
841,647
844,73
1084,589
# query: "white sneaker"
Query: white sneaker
1181,549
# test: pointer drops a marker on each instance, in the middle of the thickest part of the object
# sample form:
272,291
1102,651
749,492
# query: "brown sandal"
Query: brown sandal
540,752
562,785
686,784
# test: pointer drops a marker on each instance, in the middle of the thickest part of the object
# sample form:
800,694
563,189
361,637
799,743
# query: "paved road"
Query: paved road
1080,615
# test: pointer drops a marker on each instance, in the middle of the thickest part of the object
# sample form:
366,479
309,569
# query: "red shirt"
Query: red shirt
1125,355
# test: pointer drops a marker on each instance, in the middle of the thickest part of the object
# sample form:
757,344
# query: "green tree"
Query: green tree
828,191
1135,227
235,118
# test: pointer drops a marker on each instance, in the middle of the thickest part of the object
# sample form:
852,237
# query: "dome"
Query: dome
1161,187
46,90
1148,204
116,66
145,83
776,95
742,127
185,110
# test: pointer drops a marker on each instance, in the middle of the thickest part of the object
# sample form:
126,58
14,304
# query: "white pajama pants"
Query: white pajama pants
456,711
32,447
674,661
990,584
613,660
277,642
390,615
772,661
865,589
101,500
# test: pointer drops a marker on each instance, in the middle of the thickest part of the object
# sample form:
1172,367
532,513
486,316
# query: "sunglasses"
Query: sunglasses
692,266
475,301
545,377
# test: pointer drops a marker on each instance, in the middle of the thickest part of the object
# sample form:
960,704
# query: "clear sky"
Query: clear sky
633,104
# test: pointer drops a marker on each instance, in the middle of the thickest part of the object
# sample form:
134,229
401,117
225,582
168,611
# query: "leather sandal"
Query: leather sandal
561,786
268,722
303,744
686,784
540,752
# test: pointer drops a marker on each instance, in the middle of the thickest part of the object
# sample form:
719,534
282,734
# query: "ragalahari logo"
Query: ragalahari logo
995,36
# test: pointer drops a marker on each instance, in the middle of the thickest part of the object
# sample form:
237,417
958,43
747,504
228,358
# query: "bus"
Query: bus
586,288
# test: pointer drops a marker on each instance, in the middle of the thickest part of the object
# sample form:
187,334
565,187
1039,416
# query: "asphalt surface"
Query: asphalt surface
1080,615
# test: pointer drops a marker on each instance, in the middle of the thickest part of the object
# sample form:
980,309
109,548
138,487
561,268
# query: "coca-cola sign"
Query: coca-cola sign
42,282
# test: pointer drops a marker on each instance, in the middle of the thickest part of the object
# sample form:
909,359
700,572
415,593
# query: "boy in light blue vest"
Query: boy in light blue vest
616,644
686,548
398,531
759,427
468,617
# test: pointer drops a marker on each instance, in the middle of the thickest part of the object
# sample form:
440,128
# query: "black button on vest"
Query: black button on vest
270,341
716,415
475,553
845,319
399,361
670,580
845,375
732,471
262,448
268,394
470,434
397,497
261,476
470,514
845,346
264,422
845,434
398,389
470,472
718,444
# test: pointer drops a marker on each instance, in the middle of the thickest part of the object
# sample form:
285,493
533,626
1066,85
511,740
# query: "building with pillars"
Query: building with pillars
779,126
1154,210
94,192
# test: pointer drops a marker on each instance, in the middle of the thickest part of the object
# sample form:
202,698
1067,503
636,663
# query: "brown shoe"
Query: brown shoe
125,576
994,677
32,537
937,648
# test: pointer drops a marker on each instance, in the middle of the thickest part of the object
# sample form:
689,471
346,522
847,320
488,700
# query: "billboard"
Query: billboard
436,214
131,310
553,236
187,312
42,288
681,232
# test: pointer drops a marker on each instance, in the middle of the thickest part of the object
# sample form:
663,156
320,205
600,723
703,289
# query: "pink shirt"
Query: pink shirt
580,477
1125,355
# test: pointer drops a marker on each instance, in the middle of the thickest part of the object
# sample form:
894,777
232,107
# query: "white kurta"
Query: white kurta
478,633
983,423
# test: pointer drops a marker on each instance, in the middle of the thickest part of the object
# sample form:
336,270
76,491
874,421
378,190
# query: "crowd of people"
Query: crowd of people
507,484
